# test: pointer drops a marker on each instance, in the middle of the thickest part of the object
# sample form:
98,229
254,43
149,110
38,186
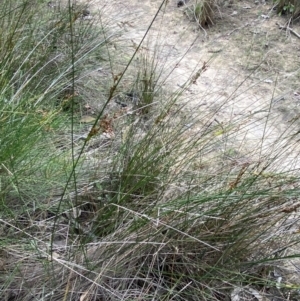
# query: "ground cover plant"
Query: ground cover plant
115,187
289,7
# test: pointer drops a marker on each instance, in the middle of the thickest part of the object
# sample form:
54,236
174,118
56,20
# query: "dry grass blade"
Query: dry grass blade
184,187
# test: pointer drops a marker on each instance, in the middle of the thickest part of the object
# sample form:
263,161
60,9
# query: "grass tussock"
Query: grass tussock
154,201
202,11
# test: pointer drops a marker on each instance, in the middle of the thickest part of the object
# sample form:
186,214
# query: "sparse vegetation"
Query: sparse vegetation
289,7
201,11
155,200
204,13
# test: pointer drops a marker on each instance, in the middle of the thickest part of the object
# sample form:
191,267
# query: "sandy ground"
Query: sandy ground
249,66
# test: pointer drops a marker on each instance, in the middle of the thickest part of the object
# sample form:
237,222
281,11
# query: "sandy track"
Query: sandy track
252,70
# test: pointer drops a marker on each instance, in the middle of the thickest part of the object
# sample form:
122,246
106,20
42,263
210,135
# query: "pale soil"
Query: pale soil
250,63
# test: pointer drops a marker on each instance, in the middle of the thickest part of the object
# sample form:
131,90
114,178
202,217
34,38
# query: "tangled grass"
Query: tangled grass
151,202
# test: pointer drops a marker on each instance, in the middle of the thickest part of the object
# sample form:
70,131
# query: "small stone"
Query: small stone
86,13
87,119
180,3
51,4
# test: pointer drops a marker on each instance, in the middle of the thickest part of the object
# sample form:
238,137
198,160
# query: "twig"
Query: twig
288,28
232,31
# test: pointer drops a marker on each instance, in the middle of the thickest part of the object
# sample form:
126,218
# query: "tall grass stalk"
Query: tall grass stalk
153,201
